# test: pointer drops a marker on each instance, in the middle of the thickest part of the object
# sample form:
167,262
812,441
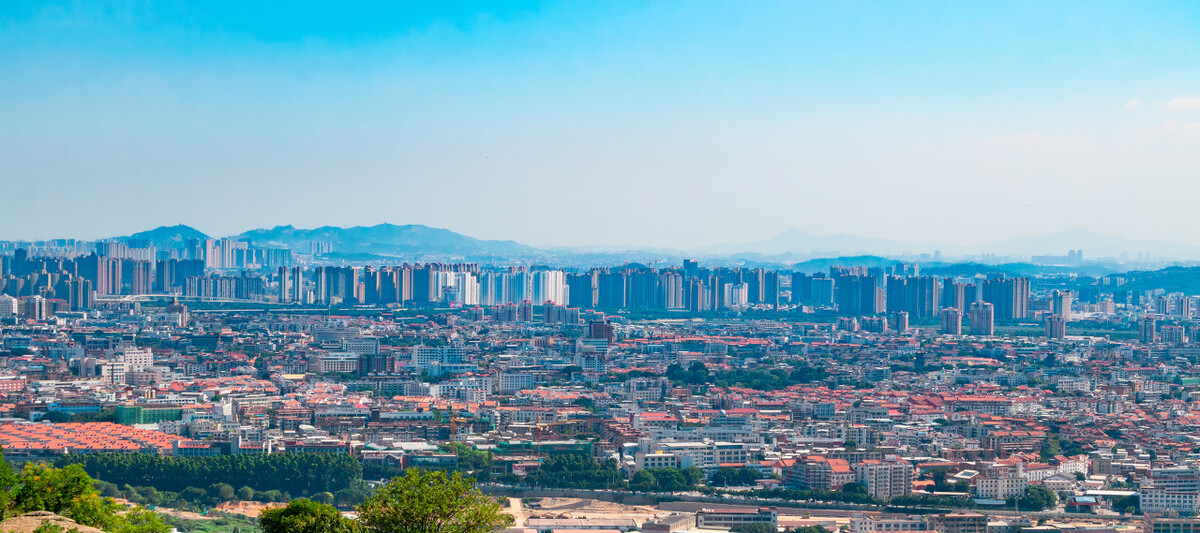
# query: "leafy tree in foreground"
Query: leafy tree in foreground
58,490
431,502
71,493
306,516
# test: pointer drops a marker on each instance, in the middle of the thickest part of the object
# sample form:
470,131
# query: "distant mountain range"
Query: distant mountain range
794,241
381,241
167,237
385,241
1094,245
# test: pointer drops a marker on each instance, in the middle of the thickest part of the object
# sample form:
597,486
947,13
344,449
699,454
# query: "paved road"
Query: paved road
693,502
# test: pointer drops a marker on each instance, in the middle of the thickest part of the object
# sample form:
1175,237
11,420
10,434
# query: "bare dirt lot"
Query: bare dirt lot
251,509
582,508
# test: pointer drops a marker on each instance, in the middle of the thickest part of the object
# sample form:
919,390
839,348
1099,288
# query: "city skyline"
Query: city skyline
645,266
390,242
647,125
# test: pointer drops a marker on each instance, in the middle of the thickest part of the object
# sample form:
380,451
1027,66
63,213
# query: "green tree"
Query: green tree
51,527
223,491
576,471
305,516
1037,498
643,481
8,480
725,477
1130,504
854,488
675,372
1050,448
194,495
670,479
759,527
245,494
939,479
71,493
352,496
42,488
697,374
140,520
301,474
431,502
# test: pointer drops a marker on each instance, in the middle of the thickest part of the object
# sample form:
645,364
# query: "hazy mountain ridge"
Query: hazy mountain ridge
1092,244
383,239
167,237
794,241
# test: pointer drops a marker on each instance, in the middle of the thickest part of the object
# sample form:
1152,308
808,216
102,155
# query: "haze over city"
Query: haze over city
661,124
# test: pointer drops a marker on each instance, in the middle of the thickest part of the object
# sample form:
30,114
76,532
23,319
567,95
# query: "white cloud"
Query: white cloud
1185,103
1133,104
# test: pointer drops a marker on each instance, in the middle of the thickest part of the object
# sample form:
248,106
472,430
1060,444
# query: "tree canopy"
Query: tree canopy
71,493
734,477
1037,498
431,502
759,527
577,471
306,516
300,474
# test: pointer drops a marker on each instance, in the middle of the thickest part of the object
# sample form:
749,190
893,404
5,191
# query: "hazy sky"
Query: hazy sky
656,123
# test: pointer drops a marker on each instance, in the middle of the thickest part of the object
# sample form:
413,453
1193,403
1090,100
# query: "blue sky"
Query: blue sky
654,123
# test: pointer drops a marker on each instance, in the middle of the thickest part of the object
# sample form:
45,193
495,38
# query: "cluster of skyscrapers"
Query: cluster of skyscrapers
234,270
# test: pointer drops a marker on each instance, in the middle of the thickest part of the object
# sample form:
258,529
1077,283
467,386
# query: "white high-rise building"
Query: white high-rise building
8,306
468,288
520,286
458,288
550,286
493,288
736,294
983,319
1061,302
884,480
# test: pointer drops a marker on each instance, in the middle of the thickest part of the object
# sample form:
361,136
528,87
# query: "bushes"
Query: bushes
197,498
